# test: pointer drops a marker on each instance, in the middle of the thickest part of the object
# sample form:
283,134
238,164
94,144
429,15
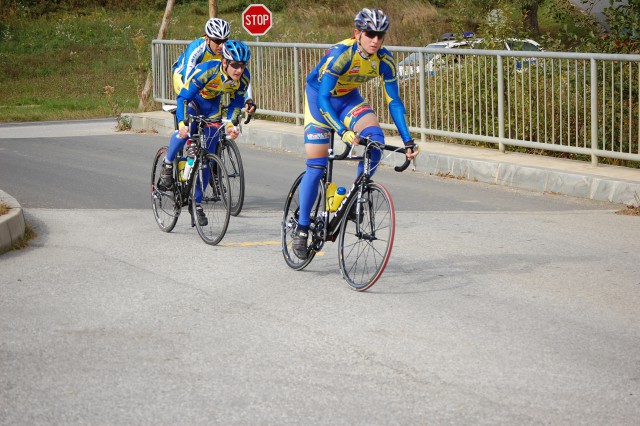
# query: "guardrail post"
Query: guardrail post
423,98
594,112
296,74
500,105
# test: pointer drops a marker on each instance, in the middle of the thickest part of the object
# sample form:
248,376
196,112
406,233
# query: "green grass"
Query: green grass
55,66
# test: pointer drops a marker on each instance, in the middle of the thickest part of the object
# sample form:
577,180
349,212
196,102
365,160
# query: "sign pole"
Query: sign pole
258,61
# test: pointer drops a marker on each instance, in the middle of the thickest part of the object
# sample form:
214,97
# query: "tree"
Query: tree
162,33
623,19
530,11
213,8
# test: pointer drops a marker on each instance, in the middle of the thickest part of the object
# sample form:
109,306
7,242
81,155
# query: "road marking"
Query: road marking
259,243
252,244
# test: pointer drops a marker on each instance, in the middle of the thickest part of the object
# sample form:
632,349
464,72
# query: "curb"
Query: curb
12,224
523,171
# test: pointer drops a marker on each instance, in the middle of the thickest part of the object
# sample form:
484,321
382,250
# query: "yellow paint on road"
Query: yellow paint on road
252,244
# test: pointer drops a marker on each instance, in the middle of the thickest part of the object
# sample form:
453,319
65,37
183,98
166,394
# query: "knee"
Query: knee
373,132
317,163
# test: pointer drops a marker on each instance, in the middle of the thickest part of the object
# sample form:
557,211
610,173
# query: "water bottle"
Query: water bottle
341,192
331,191
191,156
182,162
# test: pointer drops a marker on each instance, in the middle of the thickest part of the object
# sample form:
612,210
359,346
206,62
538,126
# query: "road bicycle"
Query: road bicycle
208,176
363,223
229,153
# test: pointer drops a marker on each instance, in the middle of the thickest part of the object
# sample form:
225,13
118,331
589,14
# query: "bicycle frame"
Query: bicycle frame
331,232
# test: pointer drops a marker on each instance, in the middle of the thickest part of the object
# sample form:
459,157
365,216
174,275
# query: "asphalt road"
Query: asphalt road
497,306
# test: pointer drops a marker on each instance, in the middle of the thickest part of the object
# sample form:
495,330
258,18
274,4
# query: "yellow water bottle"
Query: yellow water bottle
331,191
341,192
181,163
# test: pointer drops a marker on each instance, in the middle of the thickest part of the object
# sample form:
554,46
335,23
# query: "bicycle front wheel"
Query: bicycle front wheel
366,238
163,203
230,155
290,223
212,183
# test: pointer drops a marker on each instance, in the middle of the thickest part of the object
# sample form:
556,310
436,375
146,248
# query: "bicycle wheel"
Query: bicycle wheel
364,250
165,208
230,155
290,223
215,201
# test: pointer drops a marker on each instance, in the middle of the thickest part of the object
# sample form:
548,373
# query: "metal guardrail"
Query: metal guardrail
584,104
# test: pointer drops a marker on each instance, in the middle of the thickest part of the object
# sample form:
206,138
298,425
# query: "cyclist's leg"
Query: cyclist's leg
361,118
375,133
211,140
176,143
317,134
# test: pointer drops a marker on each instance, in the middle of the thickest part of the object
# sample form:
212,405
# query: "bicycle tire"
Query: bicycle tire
164,206
229,153
290,222
363,256
215,203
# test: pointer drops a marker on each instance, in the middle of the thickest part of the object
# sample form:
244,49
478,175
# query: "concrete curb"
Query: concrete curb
523,171
12,225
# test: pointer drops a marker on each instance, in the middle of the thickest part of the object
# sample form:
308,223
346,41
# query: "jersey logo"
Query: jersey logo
354,70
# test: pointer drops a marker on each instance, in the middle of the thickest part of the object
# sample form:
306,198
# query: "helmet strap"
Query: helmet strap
359,46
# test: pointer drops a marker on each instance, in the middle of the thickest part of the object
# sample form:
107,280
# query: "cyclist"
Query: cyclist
204,49
201,50
332,101
202,94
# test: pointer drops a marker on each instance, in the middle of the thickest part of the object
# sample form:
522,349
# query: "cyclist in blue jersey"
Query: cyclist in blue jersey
202,95
201,50
332,101
204,49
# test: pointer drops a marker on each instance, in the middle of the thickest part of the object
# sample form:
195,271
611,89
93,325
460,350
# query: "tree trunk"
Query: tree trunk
213,8
146,91
531,12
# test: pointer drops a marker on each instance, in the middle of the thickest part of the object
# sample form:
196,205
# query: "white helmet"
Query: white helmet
217,28
371,20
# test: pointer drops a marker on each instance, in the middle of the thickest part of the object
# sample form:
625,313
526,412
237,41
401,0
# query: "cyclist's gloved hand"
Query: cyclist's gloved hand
232,131
350,137
183,130
249,106
412,149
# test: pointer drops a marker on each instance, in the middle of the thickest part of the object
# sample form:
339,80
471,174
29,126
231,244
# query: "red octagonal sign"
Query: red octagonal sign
256,19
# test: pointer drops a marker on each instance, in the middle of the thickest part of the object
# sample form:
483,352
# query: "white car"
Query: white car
432,61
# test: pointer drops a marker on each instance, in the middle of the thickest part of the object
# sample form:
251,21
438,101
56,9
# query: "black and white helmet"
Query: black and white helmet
371,20
217,28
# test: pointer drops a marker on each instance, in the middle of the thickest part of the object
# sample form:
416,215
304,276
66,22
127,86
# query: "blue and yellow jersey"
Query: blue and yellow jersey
343,69
351,68
196,52
208,82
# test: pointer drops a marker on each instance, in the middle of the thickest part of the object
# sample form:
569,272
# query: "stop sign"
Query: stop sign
256,19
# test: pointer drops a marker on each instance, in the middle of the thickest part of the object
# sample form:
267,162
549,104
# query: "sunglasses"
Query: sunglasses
237,65
218,41
374,34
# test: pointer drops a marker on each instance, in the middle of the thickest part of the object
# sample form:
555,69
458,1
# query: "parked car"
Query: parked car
435,61
432,61
515,44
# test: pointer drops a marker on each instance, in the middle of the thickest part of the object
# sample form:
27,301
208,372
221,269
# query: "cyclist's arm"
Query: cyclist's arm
237,98
392,97
192,86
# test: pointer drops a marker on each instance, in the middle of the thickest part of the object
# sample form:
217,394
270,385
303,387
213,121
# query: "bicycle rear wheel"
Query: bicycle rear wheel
364,250
290,223
230,155
165,208
215,202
